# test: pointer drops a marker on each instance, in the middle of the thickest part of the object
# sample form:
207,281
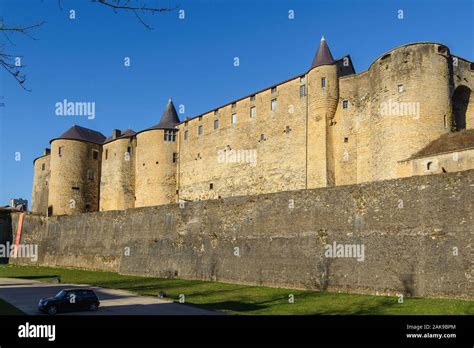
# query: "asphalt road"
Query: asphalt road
25,295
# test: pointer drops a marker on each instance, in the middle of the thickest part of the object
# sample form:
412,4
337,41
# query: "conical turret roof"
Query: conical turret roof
323,55
169,118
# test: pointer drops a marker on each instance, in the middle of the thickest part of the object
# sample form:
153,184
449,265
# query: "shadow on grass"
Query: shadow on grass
36,277
236,306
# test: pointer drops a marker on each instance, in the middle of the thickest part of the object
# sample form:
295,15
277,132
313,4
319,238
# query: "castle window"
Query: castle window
169,135
401,88
90,174
302,79
346,140
216,112
302,91
60,151
345,104
252,97
429,165
445,119
185,135
253,112
262,137
43,166
211,186
274,89
323,82
273,104
106,153
216,124
200,130
200,118
95,154
75,188
175,157
233,119
129,150
234,105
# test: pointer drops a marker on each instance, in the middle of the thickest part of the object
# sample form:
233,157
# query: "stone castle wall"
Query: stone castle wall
260,154
416,232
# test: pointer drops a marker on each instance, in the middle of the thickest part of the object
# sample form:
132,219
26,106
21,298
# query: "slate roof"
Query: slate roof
323,55
169,118
82,134
448,142
126,134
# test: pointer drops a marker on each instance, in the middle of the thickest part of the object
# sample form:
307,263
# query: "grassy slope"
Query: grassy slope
245,299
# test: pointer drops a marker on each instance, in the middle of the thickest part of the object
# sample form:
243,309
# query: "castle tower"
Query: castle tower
323,95
39,196
117,184
75,163
156,161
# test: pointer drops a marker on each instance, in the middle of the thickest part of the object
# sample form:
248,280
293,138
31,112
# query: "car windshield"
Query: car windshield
61,294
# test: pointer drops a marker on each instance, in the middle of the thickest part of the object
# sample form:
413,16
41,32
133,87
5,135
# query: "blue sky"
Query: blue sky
190,60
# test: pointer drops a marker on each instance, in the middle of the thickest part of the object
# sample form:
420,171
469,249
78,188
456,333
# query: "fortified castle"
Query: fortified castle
410,113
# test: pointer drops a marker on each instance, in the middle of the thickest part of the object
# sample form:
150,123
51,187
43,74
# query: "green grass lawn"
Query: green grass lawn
246,299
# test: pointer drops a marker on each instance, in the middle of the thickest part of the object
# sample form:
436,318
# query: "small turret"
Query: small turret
323,55
156,160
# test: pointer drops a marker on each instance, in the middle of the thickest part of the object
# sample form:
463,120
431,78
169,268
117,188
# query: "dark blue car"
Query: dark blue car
70,300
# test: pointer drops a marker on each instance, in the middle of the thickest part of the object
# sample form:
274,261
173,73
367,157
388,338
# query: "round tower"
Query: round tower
323,95
39,196
117,185
156,161
75,171
409,108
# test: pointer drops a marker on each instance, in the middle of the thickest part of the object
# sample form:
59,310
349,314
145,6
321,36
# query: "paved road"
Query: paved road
25,295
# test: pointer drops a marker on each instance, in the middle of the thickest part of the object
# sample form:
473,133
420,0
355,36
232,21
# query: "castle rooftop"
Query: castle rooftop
169,118
126,134
323,55
448,142
82,134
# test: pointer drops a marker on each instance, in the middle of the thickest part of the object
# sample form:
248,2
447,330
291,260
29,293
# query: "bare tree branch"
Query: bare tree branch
138,7
7,61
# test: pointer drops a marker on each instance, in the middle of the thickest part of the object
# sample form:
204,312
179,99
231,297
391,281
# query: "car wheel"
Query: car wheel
93,307
52,310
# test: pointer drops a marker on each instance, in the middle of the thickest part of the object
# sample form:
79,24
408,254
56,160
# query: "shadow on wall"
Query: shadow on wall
6,234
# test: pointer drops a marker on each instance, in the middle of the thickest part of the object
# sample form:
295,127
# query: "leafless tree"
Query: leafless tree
12,64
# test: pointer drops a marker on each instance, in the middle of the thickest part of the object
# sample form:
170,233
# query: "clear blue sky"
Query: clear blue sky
190,60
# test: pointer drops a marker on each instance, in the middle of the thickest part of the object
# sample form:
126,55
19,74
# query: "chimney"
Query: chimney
47,151
116,133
